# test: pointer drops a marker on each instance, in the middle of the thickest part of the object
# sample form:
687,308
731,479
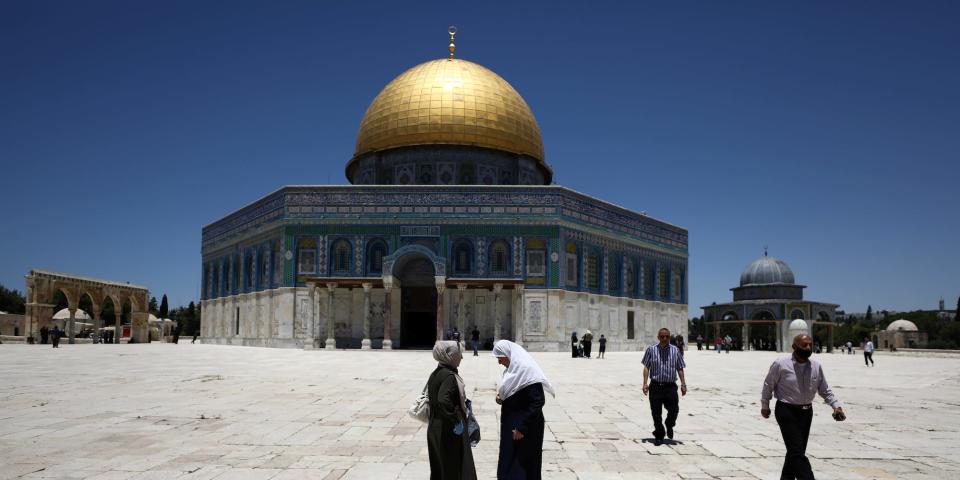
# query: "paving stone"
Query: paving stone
217,412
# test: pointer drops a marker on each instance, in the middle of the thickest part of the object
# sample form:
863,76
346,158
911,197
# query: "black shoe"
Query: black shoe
657,441
670,433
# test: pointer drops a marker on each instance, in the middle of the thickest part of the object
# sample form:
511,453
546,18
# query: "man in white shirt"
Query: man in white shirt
867,351
795,380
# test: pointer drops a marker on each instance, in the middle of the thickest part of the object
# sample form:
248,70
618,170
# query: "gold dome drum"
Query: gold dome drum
450,102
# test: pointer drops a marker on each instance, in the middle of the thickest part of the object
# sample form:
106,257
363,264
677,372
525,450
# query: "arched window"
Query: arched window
613,273
249,274
375,253
462,257
264,271
235,276
572,264
206,281
593,270
796,314
341,256
629,282
661,281
499,258
536,258
307,256
677,290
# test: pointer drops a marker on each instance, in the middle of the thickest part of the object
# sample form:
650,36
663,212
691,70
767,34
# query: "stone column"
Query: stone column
497,318
461,318
440,283
520,318
365,342
73,313
830,337
745,334
387,316
311,328
315,326
96,323
117,318
331,343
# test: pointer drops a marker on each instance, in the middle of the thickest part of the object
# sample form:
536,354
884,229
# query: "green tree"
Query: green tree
152,306
12,301
868,318
164,307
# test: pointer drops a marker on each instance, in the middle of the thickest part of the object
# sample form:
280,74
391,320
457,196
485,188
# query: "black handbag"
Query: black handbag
473,428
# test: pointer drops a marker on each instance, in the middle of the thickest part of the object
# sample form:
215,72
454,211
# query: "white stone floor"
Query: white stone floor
205,411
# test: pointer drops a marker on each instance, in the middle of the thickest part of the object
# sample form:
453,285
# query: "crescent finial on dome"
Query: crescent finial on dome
452,30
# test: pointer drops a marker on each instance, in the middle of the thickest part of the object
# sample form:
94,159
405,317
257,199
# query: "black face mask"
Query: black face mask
803,353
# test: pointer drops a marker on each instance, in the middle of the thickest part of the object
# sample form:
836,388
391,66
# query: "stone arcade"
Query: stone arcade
42,286
451,221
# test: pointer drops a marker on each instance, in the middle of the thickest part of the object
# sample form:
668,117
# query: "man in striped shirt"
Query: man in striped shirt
662,363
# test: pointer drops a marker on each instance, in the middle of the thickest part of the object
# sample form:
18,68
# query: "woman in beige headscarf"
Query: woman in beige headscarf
447,440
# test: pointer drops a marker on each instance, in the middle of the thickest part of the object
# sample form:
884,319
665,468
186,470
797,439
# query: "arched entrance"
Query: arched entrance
764,331
418,302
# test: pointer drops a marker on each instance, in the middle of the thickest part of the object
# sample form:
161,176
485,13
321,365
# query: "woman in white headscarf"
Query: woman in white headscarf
521,395
447,441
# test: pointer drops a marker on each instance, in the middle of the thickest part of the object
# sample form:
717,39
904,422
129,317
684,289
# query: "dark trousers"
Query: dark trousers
476,345
586,349
663,395
868,358
794,425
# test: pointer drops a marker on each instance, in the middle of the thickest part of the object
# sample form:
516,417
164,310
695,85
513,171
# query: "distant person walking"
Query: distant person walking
718,344
574,351
196,333
867,351
849,347
662,363
603,346
794,381
55,336
681,344
727,343
475,338
699,342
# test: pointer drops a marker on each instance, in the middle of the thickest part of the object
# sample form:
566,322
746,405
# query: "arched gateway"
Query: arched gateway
42,288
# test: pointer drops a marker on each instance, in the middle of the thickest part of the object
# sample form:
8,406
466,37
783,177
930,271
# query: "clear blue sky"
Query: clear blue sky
827,130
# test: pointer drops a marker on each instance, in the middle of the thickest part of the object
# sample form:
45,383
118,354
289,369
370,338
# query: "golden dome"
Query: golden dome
454,102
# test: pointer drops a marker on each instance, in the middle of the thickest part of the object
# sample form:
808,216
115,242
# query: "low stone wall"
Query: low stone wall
922,352
13,339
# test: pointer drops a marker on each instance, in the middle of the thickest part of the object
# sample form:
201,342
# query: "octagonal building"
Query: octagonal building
451,221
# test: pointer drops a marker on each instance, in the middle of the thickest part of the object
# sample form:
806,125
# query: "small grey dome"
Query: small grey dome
766,270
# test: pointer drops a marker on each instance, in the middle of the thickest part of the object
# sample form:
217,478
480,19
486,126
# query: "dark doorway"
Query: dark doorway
418,318
418,304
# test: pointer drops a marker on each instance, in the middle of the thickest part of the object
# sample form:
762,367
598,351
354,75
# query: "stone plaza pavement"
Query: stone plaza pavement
206,411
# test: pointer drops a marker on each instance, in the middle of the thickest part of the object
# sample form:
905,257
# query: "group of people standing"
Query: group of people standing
53,335
521,396
583,348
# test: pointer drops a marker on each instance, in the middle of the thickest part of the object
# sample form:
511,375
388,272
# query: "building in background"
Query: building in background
451,221
765,307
